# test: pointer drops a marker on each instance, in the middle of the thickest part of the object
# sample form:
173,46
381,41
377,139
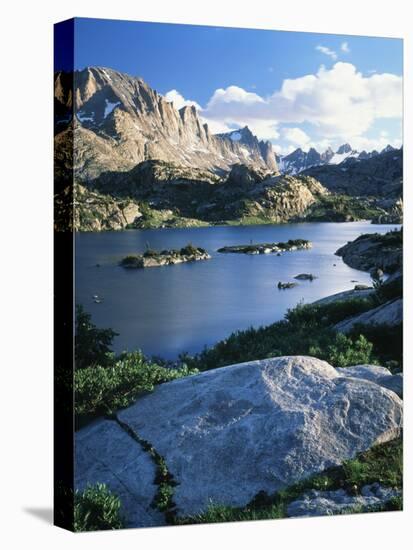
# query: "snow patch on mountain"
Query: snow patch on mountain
110,107
84,117
298,160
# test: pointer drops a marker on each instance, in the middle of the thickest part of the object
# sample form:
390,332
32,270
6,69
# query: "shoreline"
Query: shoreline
260,319
207,225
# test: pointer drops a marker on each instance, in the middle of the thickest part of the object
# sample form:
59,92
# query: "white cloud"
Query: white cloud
216,126
179,101
361,143
235,107
296,136
278,149
327,51
339,103
232,95
344,47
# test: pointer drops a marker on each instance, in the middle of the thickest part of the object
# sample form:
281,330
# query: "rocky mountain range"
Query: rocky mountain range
119,121
379,176
300,160
138,162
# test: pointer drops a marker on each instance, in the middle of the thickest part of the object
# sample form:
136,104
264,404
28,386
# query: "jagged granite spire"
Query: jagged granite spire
122,121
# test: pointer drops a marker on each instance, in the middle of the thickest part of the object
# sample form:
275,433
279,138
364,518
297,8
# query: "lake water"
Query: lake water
169,310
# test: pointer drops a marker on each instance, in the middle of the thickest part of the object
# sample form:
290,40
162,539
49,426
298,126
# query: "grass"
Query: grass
96,508
155,219
341,208
163,499
102,390
382,463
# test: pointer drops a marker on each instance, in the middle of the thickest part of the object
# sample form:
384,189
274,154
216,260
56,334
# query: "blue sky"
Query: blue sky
249,69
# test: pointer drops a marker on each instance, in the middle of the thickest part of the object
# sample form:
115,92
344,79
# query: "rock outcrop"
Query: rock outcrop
327,503
393,211
390,314
229,433
345,295
104,452
97,212
379,176
166,257
379,375
270,199
374,373
120,121
266,248
245,196
374,251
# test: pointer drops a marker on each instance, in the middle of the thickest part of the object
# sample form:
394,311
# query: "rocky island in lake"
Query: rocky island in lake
266,248
152,258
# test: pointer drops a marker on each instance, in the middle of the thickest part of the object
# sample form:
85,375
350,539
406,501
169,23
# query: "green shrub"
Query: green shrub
217,513
92,344
96,508
344,351
131,261
189,250
149,253
101,390
387,342
306,330
163,497
327,314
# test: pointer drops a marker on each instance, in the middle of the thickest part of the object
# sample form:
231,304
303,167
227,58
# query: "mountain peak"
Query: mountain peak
345,148
128,122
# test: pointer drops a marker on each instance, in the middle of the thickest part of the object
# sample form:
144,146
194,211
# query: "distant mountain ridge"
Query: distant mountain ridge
380,175
120,121
299,160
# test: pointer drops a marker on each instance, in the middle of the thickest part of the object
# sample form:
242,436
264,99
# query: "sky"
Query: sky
294,89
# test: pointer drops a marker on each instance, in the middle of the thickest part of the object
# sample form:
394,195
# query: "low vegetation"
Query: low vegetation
96,509
342,208
102,390
92,344
104,382
164,480
153,218
306,330
391,239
